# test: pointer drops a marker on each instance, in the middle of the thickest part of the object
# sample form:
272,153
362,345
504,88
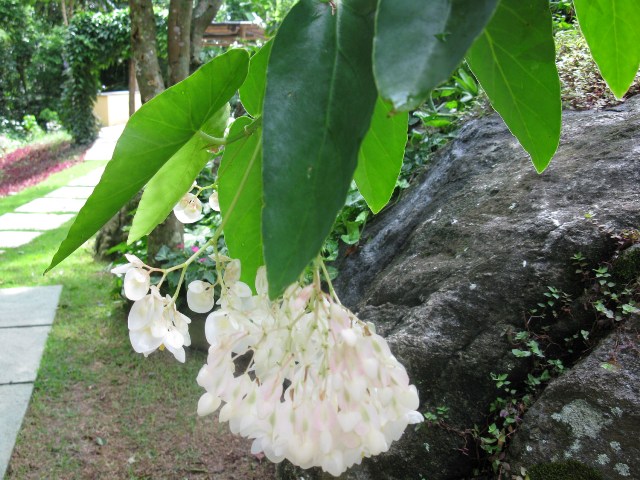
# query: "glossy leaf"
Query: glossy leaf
381,155
153,135
252,90
240,174
175,178
319,100
514,61
612,31
418,44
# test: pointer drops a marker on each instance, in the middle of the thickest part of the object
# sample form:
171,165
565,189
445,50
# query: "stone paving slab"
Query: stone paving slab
101,150
71,192
14,400
22,349
25,306
51,205
88,180
33,221
13,239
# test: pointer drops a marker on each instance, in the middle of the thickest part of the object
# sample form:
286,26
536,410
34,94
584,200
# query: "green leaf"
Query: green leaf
314,122
240,175
514,61
153,135
381,155
252,90
175,178
611,28
418,44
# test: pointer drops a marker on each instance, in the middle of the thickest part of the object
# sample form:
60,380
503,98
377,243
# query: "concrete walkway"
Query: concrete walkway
25,321
48,213
27,313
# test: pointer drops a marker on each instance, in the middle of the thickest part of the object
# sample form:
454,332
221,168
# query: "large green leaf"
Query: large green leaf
175,178
317,109
514,60
381,155
153,135
240,196
612,31
252,90
419,43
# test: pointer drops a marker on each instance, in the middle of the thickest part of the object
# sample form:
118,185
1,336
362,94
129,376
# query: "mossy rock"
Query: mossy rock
569,470
627,268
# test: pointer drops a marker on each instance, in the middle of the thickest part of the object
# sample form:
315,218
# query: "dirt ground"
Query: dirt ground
109,413
84,437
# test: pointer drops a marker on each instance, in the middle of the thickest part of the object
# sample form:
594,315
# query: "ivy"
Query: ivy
94,42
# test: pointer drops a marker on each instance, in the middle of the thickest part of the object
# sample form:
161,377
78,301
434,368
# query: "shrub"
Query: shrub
582,85
31,164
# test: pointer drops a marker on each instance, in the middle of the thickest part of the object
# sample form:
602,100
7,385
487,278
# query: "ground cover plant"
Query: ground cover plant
285,171
85,420
32,163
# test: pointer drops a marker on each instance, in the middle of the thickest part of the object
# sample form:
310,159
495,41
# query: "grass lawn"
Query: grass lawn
99,410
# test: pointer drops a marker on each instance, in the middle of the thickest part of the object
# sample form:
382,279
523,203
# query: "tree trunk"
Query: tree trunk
203,13
144,49
133,86
179,35
150,82
63,7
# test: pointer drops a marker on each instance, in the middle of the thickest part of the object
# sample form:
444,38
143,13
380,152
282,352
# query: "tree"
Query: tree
182,34
319,98
513,39
203,13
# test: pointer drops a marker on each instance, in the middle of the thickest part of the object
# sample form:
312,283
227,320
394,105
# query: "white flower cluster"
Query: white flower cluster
154,321
321,388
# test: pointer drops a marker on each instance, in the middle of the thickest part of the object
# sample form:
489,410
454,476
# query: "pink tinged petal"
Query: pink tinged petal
348,420
173,339
409,398
262,286
414,417
136,283
121,269
214,203
256,446
177,352
349,336
232,272
158,330
133,260
200,296
142,342
188,209
376,442
326,442
140,313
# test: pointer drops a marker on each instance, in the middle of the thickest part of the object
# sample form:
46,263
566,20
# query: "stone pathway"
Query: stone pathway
27,313
56,208
26,316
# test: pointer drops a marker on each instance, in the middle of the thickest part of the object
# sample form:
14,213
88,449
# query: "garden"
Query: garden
243,294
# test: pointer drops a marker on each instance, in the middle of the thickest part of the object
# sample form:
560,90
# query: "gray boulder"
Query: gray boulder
456,263
591,414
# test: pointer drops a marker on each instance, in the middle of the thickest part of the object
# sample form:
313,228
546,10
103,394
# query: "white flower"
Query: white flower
346,395
136,283
200,296
188,209
214,203
134,262
154,321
